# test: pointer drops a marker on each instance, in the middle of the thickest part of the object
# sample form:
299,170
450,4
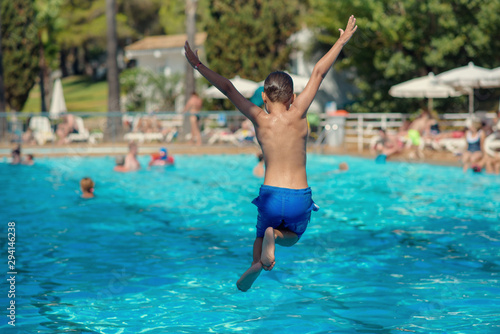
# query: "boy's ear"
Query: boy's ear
264,97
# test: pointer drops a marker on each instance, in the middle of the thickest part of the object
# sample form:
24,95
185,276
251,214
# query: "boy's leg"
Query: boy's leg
282,237
246,280
285,237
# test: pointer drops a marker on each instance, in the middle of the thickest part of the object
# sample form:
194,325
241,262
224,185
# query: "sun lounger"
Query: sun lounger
492,145
82,133
453,145
142,137
42,130
224,136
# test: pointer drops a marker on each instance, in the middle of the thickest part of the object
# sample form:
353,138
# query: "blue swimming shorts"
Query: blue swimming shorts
284,208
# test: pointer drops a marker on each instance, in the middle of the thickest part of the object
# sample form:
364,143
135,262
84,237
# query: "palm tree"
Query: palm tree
114,127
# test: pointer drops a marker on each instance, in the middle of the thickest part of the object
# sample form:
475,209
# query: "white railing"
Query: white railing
360,128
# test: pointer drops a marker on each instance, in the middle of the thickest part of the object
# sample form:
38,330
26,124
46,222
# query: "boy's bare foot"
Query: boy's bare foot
246,280
268,246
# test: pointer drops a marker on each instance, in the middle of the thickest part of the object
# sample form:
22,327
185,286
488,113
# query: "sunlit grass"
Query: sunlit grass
81,93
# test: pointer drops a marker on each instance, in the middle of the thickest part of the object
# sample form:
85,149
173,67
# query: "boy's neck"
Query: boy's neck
275,107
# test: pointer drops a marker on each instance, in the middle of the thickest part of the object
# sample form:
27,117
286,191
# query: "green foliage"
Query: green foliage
143,15
20,50
142,86
249,38
49,23
84,23
172,16
402,39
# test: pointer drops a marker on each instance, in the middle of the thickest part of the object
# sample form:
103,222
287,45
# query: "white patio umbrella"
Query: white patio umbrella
57,103
425,87
244,86
299,82
493,79
465,78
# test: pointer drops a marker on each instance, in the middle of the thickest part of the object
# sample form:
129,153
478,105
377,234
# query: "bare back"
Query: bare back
282,136
194,104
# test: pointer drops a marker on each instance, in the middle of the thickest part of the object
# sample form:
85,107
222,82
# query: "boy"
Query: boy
284,202
87,186
131,162
120,164
16,156
30,161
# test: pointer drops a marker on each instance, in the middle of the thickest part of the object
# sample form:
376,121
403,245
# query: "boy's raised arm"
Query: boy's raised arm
304,100
246,107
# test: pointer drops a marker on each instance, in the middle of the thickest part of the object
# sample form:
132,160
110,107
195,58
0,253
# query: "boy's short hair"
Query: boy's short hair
278,87
86,184
120,160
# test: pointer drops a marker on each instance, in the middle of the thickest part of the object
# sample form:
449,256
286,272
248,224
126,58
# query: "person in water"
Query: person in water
131,162
285,199
87,187
120,164
16,156
161,159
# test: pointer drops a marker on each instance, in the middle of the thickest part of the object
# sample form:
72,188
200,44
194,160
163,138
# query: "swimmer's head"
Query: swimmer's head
163,153
87,185
132,147
278,87
120,160
260,157
343,166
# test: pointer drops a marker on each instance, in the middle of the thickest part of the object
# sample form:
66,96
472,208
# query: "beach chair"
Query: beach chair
223,135
134,135
492,145
82,133
42,130
137,136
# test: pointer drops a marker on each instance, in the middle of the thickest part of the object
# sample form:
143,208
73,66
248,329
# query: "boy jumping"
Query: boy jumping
285,200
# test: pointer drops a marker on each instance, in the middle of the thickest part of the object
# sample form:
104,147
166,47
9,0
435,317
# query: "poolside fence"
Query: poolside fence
115,128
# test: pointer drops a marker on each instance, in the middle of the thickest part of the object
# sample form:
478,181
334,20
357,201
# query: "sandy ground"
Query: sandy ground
106,149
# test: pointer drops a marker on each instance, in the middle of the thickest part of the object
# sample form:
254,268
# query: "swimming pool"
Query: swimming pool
395,247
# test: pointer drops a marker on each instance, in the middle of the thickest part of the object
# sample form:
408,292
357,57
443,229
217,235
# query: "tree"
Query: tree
145,89
3,119
20,50
83,36
249,38
112,66
172,16
402,39
48,23
143,16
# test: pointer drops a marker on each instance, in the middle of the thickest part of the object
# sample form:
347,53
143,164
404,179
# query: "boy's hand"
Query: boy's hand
351,28
192,57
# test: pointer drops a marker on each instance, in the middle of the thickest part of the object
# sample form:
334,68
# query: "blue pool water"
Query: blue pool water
394,248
